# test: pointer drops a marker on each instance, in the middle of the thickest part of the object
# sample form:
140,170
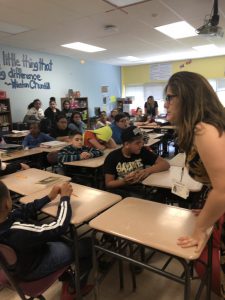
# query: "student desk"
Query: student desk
146,130
152,142
95,162
178,160
156,227
166,179
86,203
26,182
17,137
155,135
92,163
20,153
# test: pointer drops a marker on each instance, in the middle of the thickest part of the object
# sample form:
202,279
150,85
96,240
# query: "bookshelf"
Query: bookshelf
5,115
79,104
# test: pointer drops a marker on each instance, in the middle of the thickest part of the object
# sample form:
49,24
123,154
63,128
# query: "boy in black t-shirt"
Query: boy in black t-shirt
127,167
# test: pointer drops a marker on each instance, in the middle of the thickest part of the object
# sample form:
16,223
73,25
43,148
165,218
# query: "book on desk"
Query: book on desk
53,144
48,180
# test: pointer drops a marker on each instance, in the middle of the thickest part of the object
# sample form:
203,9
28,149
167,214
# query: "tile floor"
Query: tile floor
150,286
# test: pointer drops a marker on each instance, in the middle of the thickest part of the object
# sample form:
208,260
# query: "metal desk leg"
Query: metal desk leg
77,264
95,265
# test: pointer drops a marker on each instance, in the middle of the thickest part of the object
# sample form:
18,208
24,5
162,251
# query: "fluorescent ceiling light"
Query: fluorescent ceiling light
122,3
177,30
209,47
129,58
11,28
83,47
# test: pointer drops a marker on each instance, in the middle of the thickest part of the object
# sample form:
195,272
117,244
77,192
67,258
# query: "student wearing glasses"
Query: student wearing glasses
118,126
193,106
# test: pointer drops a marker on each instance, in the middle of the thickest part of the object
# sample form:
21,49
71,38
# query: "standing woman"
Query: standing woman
193,106
151,107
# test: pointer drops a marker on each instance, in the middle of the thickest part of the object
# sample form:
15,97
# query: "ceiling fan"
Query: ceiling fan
210,27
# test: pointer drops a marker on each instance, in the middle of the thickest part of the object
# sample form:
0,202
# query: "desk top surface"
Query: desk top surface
20,153
178,160
167,178
27,181
86,202
152,142
157,127
151,224
91,162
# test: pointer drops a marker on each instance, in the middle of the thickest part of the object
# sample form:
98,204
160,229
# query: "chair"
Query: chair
52,160
32,289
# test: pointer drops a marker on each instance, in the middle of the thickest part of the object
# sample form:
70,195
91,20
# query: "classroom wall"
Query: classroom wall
213,67
47,75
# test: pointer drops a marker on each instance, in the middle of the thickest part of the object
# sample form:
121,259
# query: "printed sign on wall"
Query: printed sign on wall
24,72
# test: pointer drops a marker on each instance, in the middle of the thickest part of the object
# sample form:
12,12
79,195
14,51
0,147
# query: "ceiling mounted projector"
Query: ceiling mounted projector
210,27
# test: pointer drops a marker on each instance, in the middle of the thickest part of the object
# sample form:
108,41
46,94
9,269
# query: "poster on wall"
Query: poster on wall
24,71
161,71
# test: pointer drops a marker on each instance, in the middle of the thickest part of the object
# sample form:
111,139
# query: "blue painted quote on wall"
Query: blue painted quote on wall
24,72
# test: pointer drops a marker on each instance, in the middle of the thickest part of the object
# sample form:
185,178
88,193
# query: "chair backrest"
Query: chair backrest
33,288
8,261
7,256
52,157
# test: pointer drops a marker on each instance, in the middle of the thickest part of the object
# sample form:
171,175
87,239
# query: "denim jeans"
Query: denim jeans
59,255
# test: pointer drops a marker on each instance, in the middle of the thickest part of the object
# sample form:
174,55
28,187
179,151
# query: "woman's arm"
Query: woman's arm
210,147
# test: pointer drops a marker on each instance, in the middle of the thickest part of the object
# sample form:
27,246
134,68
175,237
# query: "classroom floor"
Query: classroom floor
150,286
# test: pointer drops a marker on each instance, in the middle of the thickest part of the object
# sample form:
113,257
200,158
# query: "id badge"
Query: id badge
180,190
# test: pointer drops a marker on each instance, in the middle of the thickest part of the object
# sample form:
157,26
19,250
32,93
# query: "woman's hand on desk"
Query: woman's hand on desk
197,239
85,155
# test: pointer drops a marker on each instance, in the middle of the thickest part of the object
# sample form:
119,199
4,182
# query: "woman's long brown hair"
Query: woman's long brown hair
197,103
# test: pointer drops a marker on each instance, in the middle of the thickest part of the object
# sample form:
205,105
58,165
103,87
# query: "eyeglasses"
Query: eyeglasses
170,97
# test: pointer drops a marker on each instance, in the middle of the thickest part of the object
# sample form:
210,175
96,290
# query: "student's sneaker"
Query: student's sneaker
69,293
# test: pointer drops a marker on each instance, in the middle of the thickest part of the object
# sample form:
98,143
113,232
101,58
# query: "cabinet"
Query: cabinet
78,104
5,115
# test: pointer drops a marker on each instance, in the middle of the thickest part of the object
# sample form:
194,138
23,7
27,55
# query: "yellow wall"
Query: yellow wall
209,67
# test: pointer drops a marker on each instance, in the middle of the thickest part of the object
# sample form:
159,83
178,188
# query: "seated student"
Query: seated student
118,126
126,167
100,138
39,249
113,113
61,130
102,120
76,150
9,168
76,122
139,117
35,137
34,112
67,111
52,111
